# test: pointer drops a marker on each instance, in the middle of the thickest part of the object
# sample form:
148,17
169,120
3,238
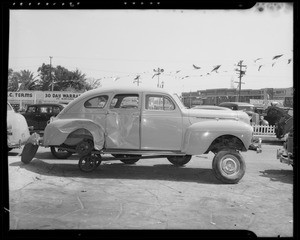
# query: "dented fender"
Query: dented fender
57,131
199,136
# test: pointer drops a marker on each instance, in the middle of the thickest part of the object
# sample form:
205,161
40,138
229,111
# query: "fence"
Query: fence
264,130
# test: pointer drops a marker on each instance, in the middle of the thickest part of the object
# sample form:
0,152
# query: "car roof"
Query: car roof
121,89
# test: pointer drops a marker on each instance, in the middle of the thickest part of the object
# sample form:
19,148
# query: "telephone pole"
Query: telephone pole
158,71
241,73
51,73
137,80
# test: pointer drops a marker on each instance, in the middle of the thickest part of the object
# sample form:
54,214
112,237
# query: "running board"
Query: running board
142,152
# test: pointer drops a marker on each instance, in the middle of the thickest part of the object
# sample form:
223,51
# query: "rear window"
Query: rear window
96,102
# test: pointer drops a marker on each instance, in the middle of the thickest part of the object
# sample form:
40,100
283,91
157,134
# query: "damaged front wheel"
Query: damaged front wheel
89,163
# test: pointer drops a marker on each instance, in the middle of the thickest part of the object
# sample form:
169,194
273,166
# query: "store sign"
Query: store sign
60,96
20,95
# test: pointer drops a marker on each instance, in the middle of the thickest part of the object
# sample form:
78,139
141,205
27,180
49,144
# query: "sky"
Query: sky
119,46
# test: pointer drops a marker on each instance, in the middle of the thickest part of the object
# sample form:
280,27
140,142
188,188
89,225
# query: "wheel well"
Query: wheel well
77,136
228,142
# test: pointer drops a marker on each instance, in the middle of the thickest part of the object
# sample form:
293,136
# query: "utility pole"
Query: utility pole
241,73
158,71
51,73
137,80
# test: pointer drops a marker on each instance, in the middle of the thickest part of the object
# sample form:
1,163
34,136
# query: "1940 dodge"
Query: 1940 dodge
142,123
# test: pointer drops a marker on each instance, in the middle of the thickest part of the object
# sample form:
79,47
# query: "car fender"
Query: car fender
17,125
57,131
199,136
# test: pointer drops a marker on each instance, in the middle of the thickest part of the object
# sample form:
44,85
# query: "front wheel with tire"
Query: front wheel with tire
179,160
60,153
229,166
89,162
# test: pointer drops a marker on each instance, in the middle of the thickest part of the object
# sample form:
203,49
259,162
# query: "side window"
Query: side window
56,110
96,102
159,103
128,101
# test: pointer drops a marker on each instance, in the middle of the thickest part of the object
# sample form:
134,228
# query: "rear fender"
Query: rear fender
58,131
199,136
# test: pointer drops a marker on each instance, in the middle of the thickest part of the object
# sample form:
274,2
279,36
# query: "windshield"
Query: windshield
178,101
246,108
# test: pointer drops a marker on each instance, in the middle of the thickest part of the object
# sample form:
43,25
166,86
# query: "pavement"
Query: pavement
49,194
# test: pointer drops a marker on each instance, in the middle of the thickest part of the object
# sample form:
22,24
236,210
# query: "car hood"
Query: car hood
216,114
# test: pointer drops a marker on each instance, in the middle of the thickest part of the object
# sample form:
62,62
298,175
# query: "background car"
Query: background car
17,129
37,115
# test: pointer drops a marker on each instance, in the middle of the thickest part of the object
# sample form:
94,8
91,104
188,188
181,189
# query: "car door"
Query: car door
123,122
161,123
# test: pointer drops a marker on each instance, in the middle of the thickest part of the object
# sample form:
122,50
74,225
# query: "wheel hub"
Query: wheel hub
229,166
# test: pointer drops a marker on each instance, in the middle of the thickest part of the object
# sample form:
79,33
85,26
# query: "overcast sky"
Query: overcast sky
118,45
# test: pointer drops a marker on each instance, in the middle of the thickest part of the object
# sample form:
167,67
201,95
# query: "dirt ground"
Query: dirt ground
152,194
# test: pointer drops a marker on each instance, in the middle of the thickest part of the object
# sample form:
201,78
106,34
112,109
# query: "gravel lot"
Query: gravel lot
152,194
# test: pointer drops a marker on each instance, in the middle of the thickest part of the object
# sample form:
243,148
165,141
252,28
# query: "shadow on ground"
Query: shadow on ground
116,170
285,176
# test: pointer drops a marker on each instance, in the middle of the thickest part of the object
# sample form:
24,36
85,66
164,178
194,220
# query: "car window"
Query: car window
31,109
125,101
246,108
44,109
96,102
56,110
159,103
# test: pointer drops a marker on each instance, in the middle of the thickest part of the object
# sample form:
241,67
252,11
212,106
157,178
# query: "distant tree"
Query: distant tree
27,80
23,80
62,78
92,83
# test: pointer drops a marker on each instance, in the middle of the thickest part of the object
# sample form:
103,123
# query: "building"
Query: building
219,95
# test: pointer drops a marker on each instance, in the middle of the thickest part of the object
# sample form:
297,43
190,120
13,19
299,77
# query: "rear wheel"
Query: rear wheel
84,147
179,160
228,166
60,153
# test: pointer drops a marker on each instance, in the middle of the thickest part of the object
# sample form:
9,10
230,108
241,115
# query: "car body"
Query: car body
17,129
210,107
37,115
150,121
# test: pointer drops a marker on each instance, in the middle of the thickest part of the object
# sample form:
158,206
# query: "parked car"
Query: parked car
99,122
17,129
211,107
37,117
240,106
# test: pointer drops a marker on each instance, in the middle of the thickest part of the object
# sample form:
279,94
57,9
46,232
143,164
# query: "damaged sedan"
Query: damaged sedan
144,123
